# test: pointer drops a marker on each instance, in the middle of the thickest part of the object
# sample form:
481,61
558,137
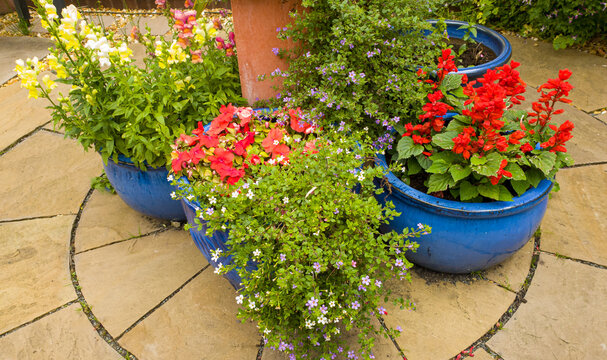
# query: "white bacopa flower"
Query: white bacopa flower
257,253
267,331
331,303
170,178
235,194
216,254
322,320
223,209
212,200
309,324
190,197
250,194
173,195
252,305
271,161
285,200
280,158
286,139
218,268
275,142
239,299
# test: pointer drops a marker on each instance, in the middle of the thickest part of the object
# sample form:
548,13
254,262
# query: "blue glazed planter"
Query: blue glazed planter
148,192
466,237
206,244
490,38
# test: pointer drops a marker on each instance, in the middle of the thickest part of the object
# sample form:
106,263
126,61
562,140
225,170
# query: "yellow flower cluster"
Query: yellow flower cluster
28,73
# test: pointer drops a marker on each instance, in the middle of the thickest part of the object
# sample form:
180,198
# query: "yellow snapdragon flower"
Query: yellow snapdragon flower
28,73
54,64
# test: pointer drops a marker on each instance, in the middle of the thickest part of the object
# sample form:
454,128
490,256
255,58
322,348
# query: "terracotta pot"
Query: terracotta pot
255,24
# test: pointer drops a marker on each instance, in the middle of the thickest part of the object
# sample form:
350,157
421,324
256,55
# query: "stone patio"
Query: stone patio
82,276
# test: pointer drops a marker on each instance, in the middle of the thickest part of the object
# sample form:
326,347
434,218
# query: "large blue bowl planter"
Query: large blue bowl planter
208,244
148,192
466,237
490,38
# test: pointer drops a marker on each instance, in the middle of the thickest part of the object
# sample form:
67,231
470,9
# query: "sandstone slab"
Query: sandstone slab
449,316
106,219
123,281
575,224
20,115
481,354
66,334
159,25
588,144
45,175
199,322
540,62
19,47
513,272
565,316
34,270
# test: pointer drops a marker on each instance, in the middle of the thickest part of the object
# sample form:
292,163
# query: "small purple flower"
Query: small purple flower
352,355
210,211
323,309
377,283
275,51
361,288
355,305
399,263
365,280
312,302
336,211
353,263
340,349
317,267
339,264
283,257
399,329
282,346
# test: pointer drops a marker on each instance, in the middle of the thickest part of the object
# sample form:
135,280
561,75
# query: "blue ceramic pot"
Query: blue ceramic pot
490,38
466,237
148,192
206,244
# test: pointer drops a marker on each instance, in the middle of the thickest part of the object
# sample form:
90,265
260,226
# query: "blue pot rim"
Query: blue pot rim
530,198
502,57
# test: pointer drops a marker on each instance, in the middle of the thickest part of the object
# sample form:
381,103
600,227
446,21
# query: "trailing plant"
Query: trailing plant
487,150
355,61
118,106
321,264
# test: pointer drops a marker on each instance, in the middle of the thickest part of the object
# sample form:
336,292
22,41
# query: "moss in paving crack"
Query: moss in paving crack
520,298
85,306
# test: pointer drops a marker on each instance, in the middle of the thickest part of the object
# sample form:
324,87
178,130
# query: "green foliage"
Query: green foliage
356,61
321,260
564,22
117,106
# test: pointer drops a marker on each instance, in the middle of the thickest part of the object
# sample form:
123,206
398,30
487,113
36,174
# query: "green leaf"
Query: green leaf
440,182
517,172
456,126
413,166
489,191
444,140
520,186
477,160
534,176
505,194
423,161
406,148
489,167
564,158
467,191
438,167
459,172
544,161
451,82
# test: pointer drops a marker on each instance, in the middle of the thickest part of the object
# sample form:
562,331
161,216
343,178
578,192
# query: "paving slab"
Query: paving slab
199,322
513,272
106,219
34,269
449,316
19,47
45,175
481,354
602,116
20,115
66,334
588,144
575,224
159,25
123,281
565,316
540,62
